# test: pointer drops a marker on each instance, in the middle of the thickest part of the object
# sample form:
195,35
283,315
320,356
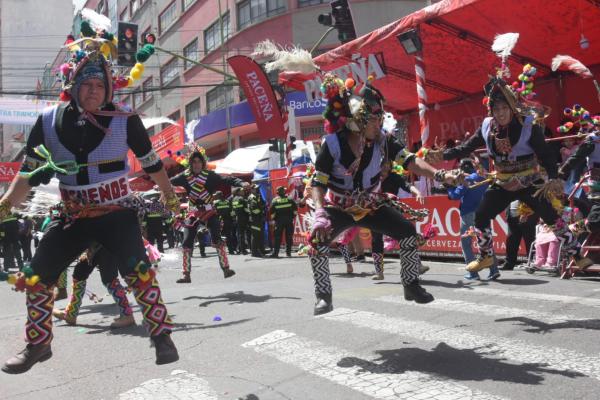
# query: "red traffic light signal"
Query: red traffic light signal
149,38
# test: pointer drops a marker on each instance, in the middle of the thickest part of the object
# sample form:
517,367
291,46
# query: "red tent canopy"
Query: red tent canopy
457,36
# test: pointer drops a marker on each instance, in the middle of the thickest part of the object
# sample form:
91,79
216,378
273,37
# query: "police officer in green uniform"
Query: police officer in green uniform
11,247
256,207
153,220
223,207
283,210
240,208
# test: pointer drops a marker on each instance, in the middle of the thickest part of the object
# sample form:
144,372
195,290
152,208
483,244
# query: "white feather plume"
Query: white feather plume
43,199
503,44
293,59
572,64
97,21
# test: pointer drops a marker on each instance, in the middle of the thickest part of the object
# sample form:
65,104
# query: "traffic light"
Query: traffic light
342,17
128,42
273,145
149,38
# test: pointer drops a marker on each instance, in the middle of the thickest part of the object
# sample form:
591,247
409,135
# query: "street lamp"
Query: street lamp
410,41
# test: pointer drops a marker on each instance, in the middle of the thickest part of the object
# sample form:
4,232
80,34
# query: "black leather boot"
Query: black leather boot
27,358
323,304
166,352
228,272
415,292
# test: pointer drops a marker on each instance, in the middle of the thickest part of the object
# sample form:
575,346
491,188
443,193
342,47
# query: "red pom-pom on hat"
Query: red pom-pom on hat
64,96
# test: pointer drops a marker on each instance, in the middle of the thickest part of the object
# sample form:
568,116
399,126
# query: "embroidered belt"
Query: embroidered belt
511,167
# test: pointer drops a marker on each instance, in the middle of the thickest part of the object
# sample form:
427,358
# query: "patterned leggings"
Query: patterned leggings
385,220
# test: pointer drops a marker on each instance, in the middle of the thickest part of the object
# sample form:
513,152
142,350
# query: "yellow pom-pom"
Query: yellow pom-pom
105,50
139,66
12,279
371,78
135,74
115,41
34,280
74,48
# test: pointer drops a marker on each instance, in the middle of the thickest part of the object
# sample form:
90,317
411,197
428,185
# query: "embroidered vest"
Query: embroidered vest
104,187
340,179
198,194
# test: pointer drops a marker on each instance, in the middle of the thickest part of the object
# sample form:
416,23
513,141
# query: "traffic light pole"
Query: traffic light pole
318,43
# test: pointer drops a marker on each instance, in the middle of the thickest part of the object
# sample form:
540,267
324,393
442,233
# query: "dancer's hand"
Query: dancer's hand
454,177
321,227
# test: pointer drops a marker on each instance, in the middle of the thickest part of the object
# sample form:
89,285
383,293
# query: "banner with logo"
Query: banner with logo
8,170
171,138
443,215
21,111
261,98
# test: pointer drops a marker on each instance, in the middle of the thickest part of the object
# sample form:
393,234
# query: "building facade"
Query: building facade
180,89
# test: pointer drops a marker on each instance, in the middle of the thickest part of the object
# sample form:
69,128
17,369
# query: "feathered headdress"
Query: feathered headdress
97,45
291,59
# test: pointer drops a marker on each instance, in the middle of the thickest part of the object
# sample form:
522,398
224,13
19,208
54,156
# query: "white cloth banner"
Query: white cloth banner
15,111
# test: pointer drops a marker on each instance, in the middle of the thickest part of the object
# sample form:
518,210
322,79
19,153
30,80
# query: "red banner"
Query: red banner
8,170
443,215
170,138
260,95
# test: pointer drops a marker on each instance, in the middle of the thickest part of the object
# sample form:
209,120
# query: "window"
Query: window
147,84
168,72
167,17
212,35
192,110
138,97
124,16
191,51
306,3
218,98
101,7
185,4
253,11
174,116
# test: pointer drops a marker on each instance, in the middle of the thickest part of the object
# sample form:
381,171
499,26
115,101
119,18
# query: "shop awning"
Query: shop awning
457,37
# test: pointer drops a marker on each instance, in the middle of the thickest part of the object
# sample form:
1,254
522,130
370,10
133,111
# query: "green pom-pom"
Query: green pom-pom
143,268
142,56
3,276
86,29
27,271
108,36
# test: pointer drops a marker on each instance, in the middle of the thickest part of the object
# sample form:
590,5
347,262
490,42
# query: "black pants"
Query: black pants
257,236
496,199
170,232
119,232
228,232
26,247
280,227
190,232
155,235
243,235
11,248
106,263
376,243
518,231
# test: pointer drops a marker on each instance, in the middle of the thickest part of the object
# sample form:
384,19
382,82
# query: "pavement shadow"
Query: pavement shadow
238,297
195,326
251,396
352,275
447,285
521,282
542,327
452,363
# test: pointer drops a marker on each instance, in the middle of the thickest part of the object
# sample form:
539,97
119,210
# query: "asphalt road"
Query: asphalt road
254,337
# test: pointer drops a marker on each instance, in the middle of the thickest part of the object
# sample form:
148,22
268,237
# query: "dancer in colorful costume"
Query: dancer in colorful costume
200,184
513,137
85,142
346,185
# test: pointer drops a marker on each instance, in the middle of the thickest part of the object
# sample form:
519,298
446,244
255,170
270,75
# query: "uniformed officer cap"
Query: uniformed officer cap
280,189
